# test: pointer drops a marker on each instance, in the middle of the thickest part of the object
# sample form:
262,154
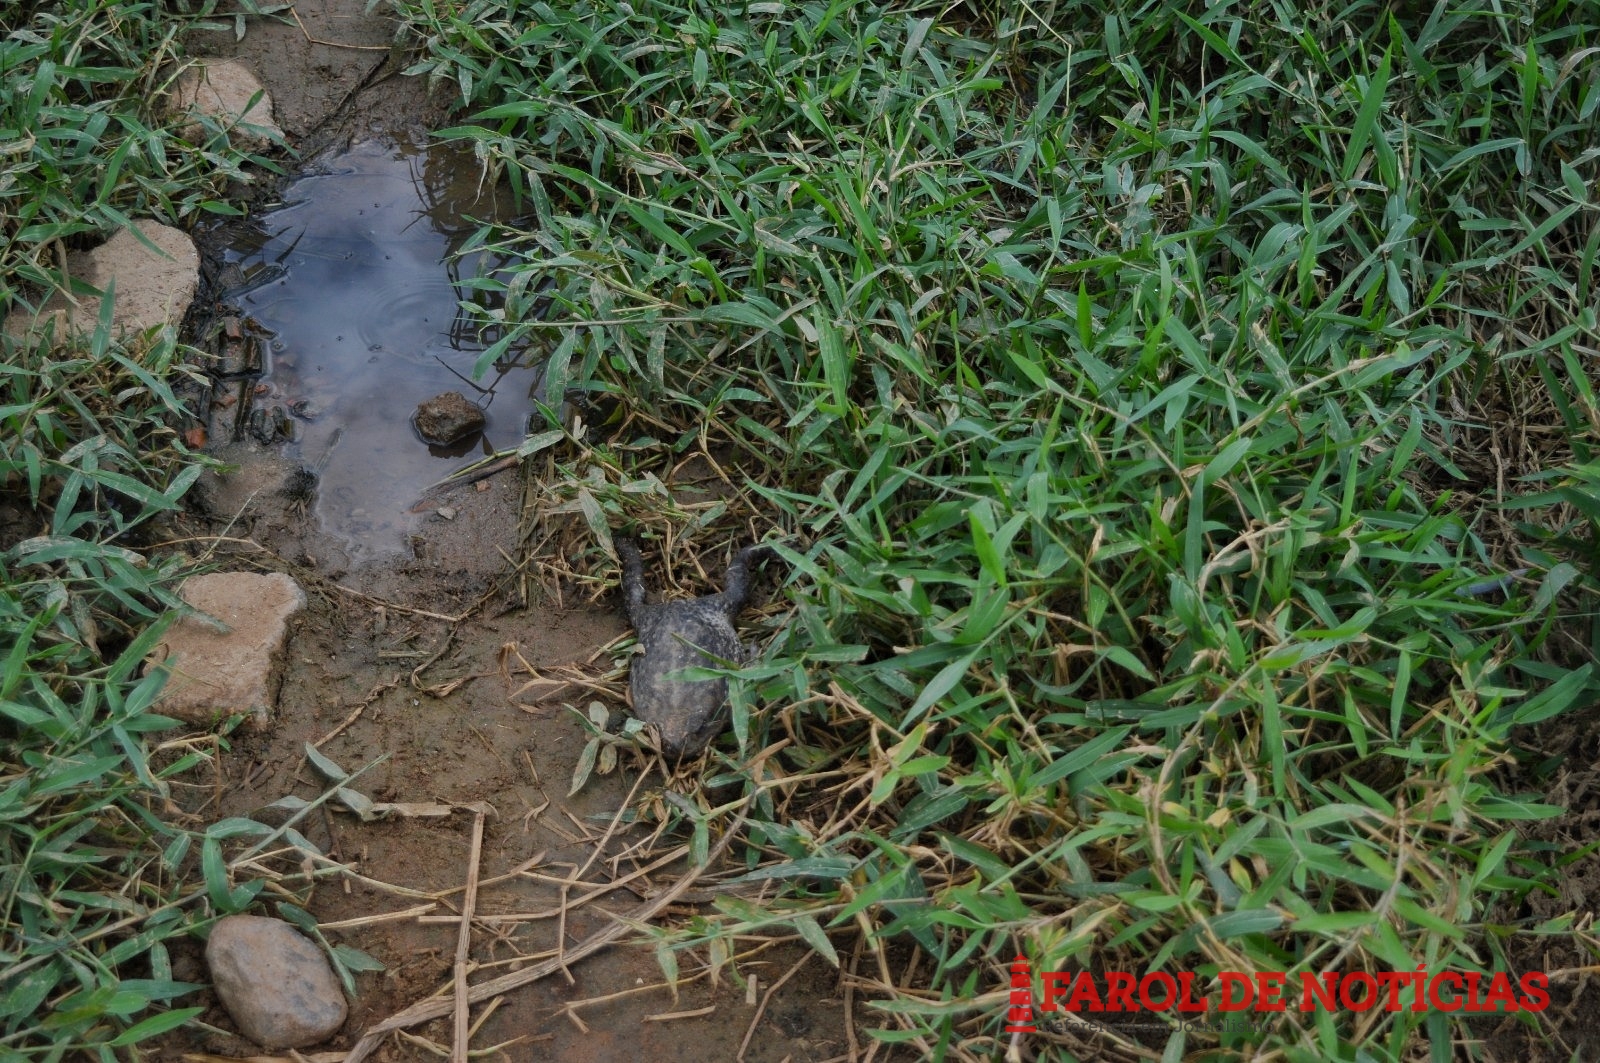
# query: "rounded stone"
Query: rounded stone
276,984
448,418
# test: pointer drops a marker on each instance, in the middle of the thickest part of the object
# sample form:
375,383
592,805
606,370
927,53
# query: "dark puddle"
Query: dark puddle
353,291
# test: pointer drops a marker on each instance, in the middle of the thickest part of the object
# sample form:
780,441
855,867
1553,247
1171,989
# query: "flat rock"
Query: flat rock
153,288
448,418
226,661
223,89
276,984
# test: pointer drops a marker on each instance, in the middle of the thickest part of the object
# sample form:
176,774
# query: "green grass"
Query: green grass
1123,376
83,142
97,876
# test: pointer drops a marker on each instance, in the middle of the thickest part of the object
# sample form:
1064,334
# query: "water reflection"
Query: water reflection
354,278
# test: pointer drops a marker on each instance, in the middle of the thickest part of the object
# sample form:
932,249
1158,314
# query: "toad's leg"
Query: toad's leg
736,590
632,575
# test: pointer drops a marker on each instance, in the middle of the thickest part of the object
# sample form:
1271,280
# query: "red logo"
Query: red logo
1269,991
1020,1018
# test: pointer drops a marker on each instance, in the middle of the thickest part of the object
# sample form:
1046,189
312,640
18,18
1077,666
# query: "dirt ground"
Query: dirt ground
1562,766
422,670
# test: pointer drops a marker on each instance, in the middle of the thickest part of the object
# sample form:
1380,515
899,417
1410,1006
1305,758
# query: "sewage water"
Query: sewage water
354,282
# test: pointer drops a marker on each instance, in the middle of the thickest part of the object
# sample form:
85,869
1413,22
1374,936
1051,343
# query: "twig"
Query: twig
850,1002
669,1016
444,648
577,875
334,44
461,479
373,920
458,1049
533,861
355,713
766,999
596,890
341,588
439,1006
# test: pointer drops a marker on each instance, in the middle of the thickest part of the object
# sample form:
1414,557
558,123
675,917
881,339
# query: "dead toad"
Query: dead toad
697,633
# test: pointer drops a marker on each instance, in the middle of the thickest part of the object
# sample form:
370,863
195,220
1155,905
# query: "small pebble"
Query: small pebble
447,512
276,984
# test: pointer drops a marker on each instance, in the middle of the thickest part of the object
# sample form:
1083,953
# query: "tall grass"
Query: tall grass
1120,372
96,874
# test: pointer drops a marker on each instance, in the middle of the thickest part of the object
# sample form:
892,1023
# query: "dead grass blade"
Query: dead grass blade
441,1006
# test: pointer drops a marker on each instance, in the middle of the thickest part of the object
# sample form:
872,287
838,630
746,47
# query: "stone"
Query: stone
223,90
276,984
226,661
448,418
153,288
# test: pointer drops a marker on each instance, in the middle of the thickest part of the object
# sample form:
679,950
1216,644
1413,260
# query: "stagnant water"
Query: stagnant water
353,280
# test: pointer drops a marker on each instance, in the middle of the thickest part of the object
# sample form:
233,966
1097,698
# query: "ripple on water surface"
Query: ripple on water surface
361,295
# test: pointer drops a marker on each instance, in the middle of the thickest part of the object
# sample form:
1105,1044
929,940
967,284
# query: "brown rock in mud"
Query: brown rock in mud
225,661
226,90
448,418
153,287
278,986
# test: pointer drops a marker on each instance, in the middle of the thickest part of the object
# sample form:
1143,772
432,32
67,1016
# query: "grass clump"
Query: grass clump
95,875
1122,375
84,142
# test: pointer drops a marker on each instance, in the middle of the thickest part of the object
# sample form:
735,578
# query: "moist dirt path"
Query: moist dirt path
439,676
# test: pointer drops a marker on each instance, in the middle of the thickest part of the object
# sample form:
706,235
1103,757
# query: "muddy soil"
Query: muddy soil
428,663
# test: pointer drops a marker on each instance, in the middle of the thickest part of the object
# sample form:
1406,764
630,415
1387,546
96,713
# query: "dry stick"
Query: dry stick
669,1016
510,461
334,44
436,1007
533,861
632,991
458,1048
308,575
444,648
765,1000
566,887
374,920
551,913
850,1002
352,592
355,714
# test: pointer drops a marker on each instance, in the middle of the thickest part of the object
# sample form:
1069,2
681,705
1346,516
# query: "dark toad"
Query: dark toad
697,633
